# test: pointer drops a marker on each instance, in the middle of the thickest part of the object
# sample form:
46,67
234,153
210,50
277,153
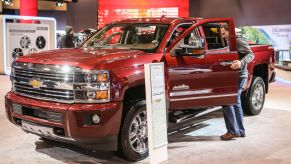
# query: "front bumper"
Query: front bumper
74,122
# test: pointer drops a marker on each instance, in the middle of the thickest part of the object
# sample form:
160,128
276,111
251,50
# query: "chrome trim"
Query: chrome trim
59,69
41,130
39,92
66,92
42,76
47,73
57,85
186,93
202,97
180,87
45,98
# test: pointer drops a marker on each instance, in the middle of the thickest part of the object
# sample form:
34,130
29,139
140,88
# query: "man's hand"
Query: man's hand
236,64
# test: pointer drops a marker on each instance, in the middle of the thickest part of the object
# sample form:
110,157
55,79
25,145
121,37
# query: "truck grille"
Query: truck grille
45,82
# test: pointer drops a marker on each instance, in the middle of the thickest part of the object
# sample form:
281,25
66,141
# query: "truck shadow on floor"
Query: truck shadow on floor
69,153
186,131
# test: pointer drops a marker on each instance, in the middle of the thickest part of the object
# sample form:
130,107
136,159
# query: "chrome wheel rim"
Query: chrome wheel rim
258,96
138,135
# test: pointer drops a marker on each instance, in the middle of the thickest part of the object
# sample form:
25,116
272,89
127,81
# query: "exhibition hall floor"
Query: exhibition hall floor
268,137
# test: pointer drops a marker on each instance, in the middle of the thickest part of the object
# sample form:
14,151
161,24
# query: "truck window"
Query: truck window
138,36
213,35
177,32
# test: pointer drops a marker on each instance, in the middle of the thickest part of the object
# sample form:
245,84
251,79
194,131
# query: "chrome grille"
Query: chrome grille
45,82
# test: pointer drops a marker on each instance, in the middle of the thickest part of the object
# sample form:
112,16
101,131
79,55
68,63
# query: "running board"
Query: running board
182,116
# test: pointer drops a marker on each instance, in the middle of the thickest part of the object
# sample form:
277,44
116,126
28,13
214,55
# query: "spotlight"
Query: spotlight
8,2
60,3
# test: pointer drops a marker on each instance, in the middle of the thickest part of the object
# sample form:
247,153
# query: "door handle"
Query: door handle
226,63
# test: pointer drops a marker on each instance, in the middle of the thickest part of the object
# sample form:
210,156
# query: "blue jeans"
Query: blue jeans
233,115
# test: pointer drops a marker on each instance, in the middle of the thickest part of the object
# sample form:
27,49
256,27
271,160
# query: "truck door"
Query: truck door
202,77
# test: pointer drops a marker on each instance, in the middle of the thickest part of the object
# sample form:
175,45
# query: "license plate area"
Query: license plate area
51,116
38,129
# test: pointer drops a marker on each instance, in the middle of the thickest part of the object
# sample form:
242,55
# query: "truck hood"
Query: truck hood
84,58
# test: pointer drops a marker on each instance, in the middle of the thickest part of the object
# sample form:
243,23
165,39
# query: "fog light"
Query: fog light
96,119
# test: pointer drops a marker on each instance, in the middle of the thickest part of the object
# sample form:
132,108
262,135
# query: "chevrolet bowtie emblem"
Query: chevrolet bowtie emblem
35,83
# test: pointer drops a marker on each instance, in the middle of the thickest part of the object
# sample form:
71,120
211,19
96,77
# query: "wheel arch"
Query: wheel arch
261,70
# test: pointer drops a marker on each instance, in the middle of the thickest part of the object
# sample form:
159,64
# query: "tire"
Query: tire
133,140
254,98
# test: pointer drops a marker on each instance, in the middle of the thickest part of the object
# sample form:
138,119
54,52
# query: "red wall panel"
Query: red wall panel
28,7
111,10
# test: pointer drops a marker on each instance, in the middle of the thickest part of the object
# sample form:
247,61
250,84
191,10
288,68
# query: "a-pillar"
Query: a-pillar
28,7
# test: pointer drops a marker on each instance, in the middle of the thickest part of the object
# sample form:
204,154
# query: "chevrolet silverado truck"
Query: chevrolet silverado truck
94,95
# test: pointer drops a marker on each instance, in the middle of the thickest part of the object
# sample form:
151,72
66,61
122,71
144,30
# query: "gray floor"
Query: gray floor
268,137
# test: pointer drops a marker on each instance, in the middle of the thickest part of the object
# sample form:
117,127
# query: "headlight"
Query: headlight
92,86
91,77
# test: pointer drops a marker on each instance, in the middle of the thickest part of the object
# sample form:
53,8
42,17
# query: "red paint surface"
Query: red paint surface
28,7
112,10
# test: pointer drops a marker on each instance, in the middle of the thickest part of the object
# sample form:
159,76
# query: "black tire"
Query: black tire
254,98
125,147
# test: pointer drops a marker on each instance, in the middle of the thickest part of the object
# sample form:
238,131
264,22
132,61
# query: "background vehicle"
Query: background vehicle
94,96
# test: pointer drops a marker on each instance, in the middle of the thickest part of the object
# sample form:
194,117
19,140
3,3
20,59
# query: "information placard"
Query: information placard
24,39
156,112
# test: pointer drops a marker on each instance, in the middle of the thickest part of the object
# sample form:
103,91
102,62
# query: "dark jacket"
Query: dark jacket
245,55
67,41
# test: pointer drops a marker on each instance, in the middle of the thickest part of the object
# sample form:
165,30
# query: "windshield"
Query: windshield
145,37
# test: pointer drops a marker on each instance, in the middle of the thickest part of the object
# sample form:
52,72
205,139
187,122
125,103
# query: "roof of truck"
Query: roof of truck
165,20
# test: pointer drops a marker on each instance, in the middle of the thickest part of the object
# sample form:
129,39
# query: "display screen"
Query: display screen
112,10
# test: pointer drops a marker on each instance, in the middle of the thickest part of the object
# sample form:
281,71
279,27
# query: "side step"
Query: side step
181,116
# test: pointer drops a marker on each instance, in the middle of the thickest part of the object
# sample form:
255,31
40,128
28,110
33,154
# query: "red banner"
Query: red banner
111,10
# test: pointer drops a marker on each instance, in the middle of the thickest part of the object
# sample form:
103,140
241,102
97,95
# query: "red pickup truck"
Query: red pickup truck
94,95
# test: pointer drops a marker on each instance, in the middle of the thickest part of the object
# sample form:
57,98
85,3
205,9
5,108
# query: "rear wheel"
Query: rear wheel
134,136
253,100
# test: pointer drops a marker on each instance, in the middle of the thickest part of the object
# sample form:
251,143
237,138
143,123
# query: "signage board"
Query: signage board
25,39
156,112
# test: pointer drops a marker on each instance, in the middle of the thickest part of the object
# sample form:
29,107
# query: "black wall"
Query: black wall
60,16
82,15
245,12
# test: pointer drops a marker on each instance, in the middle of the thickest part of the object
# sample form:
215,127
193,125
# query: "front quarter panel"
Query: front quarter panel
130,73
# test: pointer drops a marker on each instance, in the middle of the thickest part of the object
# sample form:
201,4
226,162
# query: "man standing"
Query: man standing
67,40
233,115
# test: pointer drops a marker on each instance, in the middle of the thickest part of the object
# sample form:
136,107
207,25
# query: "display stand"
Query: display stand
22,35
156,112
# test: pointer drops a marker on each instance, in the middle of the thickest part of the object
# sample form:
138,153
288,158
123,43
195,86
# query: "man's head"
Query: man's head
225,31
68,29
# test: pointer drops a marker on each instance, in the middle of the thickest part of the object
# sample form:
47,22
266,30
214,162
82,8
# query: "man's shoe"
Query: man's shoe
229,136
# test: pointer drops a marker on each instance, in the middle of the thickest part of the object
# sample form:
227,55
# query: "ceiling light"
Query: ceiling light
60,3
8,2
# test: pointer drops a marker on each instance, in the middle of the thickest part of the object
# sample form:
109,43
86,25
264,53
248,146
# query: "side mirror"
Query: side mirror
195,47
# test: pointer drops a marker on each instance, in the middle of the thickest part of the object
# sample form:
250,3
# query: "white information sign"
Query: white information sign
24,39
156,112
23,35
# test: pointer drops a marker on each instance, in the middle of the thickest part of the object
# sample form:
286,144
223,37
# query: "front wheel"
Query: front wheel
253,100
134,136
